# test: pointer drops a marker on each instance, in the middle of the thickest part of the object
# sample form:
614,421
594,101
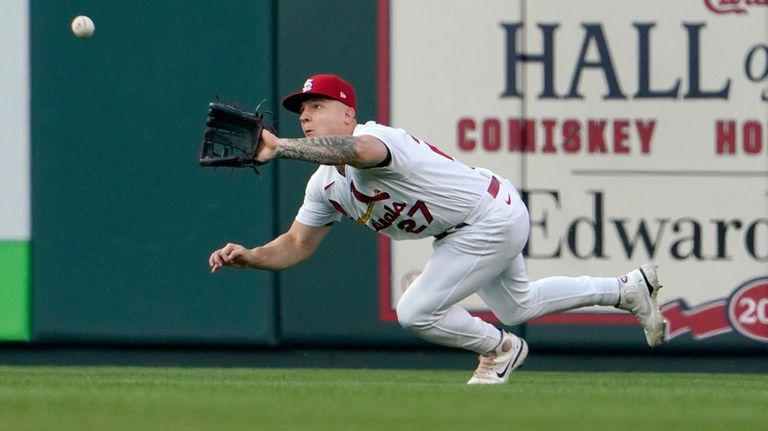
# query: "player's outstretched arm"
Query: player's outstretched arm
287,250
358,151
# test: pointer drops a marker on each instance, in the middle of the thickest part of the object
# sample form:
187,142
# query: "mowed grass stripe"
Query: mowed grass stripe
109,398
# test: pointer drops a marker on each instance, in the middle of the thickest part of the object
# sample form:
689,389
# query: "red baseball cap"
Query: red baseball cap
324,85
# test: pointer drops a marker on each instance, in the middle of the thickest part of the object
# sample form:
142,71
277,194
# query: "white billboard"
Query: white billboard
638,132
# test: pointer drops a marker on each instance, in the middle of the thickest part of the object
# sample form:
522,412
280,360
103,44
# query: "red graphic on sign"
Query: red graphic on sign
702,322
732,6
748,309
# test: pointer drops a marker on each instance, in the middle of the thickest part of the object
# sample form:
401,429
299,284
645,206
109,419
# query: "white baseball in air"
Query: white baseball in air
82,26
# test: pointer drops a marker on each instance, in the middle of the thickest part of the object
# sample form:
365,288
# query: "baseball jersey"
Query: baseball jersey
421,192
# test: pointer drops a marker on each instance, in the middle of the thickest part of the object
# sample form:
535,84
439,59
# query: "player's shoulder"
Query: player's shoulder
385,133
370,125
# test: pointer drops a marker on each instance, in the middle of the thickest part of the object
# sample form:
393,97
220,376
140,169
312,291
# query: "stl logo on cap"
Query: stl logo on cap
322,86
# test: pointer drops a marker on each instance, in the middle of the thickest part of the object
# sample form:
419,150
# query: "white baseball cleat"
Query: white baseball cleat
496,366
639,290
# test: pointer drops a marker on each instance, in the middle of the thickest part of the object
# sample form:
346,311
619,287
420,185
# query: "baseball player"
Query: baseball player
403,187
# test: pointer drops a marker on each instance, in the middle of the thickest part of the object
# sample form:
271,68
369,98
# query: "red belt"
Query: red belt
493,190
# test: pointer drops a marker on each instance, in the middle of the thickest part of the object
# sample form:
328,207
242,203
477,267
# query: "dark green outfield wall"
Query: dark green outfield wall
124,219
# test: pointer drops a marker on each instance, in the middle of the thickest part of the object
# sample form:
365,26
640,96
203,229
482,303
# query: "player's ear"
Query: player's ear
349,115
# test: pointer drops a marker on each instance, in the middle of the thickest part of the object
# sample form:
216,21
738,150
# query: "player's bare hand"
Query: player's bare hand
268,149
232,255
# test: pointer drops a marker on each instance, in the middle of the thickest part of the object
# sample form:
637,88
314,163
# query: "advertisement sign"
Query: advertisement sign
637,132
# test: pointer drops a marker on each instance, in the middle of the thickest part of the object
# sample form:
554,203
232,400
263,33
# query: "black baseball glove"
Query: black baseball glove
232,137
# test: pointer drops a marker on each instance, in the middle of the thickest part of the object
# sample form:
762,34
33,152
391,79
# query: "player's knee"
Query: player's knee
412,317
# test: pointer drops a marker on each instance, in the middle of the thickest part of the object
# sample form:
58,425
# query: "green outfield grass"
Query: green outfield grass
101,398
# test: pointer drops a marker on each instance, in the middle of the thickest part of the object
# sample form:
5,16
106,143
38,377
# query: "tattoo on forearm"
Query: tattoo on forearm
326,150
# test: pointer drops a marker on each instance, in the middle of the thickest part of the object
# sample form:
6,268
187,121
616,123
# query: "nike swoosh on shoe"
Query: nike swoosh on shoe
509,364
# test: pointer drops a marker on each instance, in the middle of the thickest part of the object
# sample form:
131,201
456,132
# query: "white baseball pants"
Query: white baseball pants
486,258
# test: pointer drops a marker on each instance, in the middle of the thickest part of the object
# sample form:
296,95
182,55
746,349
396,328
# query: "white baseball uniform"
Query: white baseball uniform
481,226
